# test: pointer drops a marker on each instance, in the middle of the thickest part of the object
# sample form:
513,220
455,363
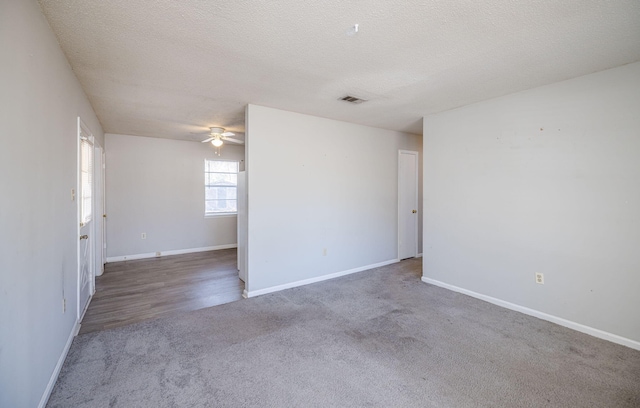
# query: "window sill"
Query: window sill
220,215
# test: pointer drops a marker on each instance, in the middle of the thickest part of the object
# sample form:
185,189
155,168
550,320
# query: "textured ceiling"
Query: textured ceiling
166,68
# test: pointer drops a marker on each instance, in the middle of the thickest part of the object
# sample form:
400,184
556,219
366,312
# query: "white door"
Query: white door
407,204
86,261
99,209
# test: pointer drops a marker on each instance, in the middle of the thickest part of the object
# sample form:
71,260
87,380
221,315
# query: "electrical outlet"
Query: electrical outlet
64,305
158,253
324,252
73,194
540,278
143,235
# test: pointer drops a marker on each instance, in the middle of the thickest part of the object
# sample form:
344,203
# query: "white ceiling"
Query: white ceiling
166,68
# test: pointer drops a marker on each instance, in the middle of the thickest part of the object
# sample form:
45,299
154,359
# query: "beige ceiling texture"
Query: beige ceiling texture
165,68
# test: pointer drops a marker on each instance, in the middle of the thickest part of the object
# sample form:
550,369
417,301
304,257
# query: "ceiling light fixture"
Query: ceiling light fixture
218,136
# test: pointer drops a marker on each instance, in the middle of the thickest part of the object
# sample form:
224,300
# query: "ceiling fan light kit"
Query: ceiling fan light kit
218,136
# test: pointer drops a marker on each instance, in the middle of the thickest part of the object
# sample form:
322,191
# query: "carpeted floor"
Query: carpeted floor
379,338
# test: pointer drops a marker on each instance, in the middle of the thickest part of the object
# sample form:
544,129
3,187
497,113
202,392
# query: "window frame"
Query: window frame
86,179
219,214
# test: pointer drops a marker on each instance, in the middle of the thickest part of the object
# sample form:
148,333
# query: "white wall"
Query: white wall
39,105
156,186
316,183
546,180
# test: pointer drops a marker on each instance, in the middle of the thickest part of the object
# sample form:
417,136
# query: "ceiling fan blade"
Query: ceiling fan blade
208,140
227,134
228,139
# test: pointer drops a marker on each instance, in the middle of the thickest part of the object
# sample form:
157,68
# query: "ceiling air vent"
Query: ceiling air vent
352,99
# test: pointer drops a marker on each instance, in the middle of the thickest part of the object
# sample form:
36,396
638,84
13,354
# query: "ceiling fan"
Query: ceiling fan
218,135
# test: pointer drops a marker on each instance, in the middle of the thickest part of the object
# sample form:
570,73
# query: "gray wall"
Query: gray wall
156,186
315,183
546,180
39,105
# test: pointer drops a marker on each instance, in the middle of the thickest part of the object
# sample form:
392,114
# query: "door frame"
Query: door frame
99,226
417,190
81,309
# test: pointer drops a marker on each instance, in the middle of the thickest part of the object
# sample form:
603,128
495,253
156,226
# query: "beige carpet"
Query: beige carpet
379,338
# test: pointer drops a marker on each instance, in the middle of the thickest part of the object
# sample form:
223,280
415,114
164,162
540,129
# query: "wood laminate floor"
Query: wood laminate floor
133,291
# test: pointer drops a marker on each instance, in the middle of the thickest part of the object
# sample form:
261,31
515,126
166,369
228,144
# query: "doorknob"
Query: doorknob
84,237
414,211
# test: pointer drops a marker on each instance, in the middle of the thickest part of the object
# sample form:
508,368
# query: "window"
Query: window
220,187
86,172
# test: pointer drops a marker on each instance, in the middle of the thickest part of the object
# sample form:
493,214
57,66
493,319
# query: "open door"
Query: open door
86,250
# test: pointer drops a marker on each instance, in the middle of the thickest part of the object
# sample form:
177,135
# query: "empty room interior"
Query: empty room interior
323,204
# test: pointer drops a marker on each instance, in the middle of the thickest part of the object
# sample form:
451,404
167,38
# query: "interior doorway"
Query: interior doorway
99,200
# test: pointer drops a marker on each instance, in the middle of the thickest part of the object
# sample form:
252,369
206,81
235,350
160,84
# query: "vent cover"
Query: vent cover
351,99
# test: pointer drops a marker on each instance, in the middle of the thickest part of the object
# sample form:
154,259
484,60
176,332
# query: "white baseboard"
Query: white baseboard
614,338
56,370
167,253
259,292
